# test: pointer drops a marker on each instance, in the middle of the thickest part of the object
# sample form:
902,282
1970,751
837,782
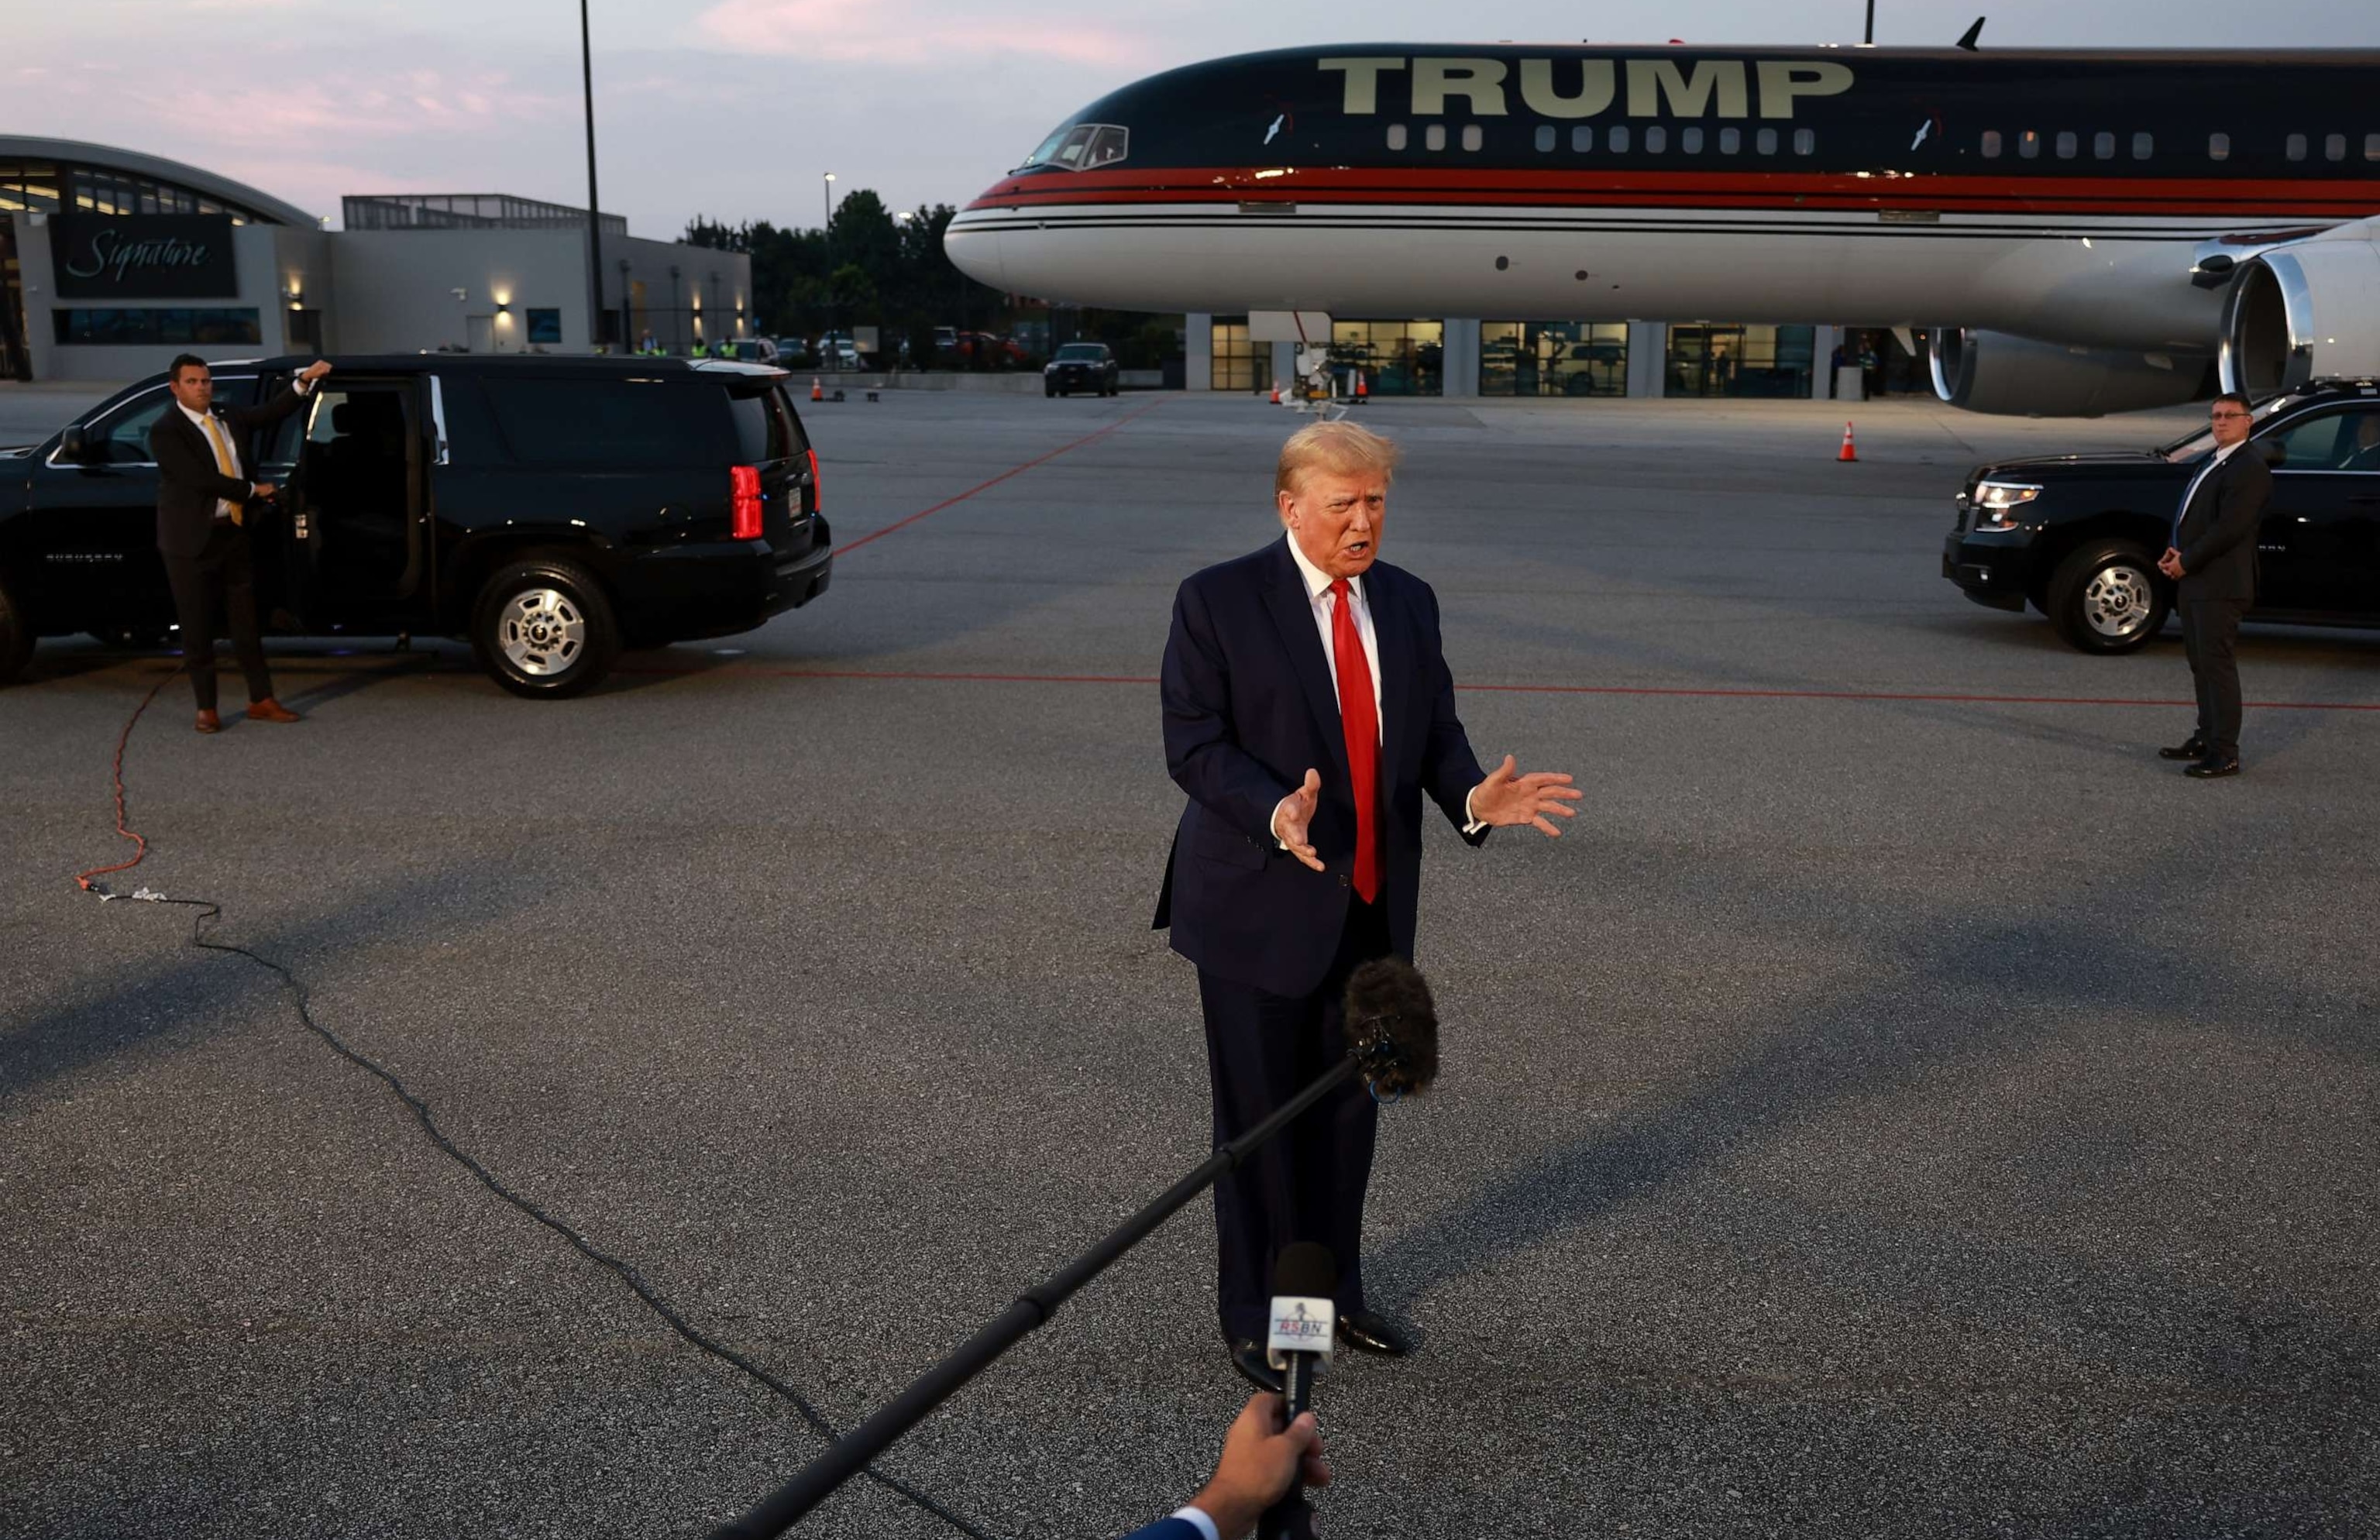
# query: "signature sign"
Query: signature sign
143,257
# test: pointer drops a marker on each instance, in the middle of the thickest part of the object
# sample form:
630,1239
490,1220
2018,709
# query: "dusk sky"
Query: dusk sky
733,108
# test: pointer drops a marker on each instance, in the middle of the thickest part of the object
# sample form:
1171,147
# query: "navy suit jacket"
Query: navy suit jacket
1166,1528
1249,707
2217,532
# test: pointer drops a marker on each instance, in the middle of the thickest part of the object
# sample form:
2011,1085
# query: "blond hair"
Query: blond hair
1342,447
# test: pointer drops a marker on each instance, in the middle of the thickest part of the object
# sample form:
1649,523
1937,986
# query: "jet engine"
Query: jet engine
1992,372
2309,309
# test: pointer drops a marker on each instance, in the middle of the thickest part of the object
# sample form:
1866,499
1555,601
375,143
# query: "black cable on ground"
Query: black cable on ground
208,911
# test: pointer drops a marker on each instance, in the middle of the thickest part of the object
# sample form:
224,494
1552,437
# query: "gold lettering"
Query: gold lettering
1598,84
1780,82
1650,79
1362,93
1478,81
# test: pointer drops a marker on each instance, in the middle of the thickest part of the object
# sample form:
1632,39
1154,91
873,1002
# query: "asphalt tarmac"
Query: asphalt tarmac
1900,1105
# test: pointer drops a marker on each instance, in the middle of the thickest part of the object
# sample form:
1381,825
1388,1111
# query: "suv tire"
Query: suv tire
15,635
543,628
2108,597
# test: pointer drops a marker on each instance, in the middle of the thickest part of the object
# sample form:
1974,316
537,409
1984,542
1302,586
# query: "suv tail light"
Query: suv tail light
817,498
744,481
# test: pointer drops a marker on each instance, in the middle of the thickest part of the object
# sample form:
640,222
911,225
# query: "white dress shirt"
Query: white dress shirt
1320,599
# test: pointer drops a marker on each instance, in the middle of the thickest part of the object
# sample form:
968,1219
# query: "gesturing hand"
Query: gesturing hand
1506,799
1292,818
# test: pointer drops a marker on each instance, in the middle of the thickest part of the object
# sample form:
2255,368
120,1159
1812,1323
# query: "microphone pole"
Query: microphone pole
1394,1044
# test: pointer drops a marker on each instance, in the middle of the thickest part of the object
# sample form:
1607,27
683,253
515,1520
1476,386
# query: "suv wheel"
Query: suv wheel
543,628
1049,393
2107,597
15,636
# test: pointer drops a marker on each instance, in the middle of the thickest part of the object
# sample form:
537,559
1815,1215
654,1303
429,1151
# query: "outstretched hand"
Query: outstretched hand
1505,798
1292,819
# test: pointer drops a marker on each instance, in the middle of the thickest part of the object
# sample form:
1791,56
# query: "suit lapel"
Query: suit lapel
1292,616
1390,632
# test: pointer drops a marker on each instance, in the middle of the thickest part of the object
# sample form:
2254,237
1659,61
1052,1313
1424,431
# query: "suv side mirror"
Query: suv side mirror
75,444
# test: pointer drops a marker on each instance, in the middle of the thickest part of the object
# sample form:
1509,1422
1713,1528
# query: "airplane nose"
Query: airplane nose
975,251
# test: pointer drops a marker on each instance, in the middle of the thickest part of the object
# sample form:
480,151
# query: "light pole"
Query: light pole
1871,22
594,219
826,201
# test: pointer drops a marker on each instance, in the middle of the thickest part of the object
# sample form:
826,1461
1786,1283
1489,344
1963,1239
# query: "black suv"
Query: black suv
1080,366
552,510
2077,536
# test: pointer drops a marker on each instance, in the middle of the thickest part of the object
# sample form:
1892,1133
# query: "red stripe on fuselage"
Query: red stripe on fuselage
1819,191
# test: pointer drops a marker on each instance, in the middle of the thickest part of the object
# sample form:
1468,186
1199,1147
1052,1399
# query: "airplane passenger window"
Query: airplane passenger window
1805,141
2296,147
2144,146
2218,147
1582,139
2028,144
2372,147
2103,147
1691,140
1473,136
1732,140
1544,137
1617,141
1396,136
2067,145
1656,139
1991,144
1766,141
1434,137
2334,147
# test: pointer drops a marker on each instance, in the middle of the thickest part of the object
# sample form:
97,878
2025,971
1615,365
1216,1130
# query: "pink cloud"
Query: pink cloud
906,32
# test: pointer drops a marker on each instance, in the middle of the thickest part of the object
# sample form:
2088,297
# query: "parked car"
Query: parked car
792,350
754,350
550,510
2077,536
997,352
1080,366
946,339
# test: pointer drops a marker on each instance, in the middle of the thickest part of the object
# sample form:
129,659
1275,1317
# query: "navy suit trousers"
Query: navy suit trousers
1307,1183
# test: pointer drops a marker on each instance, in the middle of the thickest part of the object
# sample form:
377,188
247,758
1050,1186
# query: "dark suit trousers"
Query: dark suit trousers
1308,1183
2210,633
212,589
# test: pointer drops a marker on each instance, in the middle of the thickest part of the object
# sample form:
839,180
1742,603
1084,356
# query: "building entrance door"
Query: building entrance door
480,336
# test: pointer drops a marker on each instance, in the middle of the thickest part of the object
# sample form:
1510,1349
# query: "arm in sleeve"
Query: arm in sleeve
1449,771
2242,504
1194,688
183,464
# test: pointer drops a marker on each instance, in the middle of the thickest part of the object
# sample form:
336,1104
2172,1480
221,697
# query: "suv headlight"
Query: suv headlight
1997,502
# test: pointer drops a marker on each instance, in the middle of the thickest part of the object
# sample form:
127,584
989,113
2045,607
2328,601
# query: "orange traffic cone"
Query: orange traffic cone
1362,391
1276,393
817,394
1849,456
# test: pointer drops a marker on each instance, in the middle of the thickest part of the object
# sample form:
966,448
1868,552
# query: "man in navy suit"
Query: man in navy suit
1261,1461
1308,709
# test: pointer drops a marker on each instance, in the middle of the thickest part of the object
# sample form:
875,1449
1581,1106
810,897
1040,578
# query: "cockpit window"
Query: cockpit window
1081,147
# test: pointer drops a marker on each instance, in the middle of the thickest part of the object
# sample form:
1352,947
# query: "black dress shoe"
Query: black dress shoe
2194,749
1249,1357
2211,767
1369,1332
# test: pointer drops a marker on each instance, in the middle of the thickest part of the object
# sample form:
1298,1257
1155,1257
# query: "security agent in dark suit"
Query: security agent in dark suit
203,491
2213,560
1308,709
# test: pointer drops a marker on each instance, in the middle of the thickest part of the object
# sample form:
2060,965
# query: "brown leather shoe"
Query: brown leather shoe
209,723
270,710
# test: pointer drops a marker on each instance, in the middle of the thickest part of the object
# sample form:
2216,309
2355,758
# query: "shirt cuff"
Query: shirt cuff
1471,824
1196,1519
1274,822
303,386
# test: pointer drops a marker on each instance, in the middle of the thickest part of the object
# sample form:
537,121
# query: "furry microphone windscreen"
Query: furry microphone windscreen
1392,1025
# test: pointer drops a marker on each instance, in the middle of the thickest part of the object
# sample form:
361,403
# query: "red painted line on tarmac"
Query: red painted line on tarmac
956,677
1018,470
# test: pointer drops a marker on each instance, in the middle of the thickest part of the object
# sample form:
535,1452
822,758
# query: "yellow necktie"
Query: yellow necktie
223,461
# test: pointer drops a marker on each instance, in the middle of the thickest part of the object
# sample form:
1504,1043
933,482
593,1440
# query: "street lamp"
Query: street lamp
826,200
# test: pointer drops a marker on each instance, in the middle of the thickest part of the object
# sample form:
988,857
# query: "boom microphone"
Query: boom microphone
1391,1030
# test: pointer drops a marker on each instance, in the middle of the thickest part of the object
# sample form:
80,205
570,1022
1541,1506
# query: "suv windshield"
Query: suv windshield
1088,352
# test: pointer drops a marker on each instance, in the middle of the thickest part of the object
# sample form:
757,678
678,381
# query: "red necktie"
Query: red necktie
1360,720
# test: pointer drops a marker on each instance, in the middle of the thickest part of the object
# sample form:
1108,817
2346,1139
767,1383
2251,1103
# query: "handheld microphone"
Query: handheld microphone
1304,1326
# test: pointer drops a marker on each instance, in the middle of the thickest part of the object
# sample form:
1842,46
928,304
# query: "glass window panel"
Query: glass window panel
2295,147
2218,147
1805,141
1766,141
1396,136
1108,146
1991,144
1544,138
611,422
2028,145
1656,139
2103,147
1434,137
2372,147
1690,141
2144,146
1582,139
1729,141
1617,139
2334,147
1472,137
2067,145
